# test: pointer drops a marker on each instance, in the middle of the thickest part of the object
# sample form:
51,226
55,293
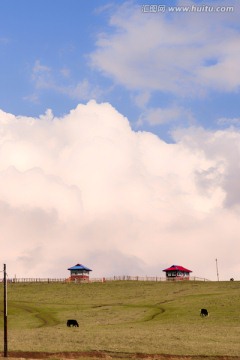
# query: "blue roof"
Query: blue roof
79,267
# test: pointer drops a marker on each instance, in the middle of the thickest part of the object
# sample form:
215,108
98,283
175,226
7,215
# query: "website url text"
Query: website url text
154,8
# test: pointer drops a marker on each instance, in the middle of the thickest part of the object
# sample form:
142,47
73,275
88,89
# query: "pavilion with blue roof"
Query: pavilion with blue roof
79,273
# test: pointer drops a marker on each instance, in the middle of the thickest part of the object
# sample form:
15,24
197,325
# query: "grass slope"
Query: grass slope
132,317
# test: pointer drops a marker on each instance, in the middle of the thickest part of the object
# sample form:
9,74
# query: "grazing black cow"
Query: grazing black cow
232,279
72,323
203,312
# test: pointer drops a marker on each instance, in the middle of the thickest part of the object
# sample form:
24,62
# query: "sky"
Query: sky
120,137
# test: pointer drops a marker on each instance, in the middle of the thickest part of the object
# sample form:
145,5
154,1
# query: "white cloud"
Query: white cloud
155,116
229,121
142,99
182,53
33,98
42,76
45,78
83,90
224,146
86,188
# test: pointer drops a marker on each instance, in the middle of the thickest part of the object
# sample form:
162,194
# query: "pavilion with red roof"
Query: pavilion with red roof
177,272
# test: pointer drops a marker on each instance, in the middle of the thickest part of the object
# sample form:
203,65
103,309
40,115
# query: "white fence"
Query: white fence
103,279
36,280
143,278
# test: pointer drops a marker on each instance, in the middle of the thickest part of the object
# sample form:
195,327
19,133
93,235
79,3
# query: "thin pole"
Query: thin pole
217,269
5,311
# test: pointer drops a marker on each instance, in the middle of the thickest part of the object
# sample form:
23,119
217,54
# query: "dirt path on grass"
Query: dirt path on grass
96,355
45,318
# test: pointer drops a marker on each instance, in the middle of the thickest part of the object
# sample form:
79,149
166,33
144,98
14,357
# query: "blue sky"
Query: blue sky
53,56
119,135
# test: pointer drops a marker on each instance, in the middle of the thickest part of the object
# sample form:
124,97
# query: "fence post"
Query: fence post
5,311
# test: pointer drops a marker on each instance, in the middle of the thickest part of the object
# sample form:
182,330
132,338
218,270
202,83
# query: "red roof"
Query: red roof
177,268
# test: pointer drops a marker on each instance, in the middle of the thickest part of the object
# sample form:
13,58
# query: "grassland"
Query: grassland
125,318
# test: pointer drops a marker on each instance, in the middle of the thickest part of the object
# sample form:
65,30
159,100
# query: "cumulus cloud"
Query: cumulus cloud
184,53
87,188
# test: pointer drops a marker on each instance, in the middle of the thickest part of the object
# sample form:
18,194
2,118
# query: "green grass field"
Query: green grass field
125,317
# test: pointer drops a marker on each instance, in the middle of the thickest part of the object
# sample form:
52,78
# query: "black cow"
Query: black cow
72,323
203,312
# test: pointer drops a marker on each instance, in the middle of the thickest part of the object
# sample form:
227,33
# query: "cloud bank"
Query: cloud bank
87,188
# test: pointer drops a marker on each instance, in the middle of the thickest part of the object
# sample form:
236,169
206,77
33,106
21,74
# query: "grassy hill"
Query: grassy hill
125,317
